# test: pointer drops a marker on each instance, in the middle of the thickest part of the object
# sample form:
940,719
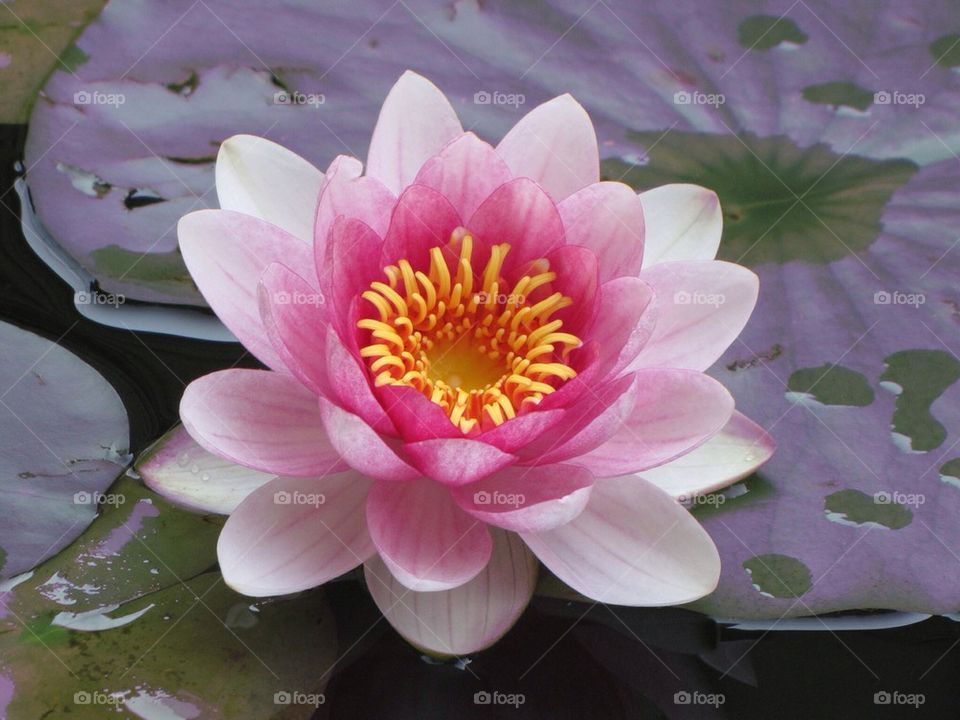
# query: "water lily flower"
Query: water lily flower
478,358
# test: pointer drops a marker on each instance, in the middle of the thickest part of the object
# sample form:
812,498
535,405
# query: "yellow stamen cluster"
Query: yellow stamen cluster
483,355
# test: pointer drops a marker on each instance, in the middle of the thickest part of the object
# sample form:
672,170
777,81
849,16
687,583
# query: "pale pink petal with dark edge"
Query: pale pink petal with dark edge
468,618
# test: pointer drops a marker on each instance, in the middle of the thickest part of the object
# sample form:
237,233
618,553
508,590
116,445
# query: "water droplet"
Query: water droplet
205,477
194,468
183,459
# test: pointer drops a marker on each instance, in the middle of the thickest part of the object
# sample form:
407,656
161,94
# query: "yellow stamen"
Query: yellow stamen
484,357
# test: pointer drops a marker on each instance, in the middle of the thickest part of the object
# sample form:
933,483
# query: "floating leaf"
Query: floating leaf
65,438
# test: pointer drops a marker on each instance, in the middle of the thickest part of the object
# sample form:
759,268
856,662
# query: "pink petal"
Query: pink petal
528,499
607,218
346,269
632,545
422,219
674,412
259,419
226,253
296,533
260,178
415,122
465,172
415,416
293,315
184,473
361,447
733,453
684,222
701,309
624,322
578,279
457,461
426,541
346,193
350,386
555,145
468,618
519,213
587,424
517,432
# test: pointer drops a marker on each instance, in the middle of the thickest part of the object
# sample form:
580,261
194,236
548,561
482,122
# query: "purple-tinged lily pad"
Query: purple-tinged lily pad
131,619
120,150
863,401
64,440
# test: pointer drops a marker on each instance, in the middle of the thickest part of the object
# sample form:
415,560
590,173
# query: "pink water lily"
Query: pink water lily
478,357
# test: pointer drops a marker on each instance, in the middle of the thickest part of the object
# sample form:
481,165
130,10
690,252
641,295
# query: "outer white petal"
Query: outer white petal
258,177
415,122
733,453
633,545
684,222
468,618
178,468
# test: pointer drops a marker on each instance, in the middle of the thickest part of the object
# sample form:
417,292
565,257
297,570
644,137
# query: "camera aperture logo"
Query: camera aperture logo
98,498
96,697
685,297
497,498
914,300
92,297
297,297
685,697
483,697
885,697
295,697
485,97
895,97
686,97
95,97
284,497
895,497
295,97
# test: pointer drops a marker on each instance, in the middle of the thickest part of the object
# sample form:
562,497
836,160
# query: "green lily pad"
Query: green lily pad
946,50
919,377
858,508
762,32
133,618
839,93
832,385
781,202
778,575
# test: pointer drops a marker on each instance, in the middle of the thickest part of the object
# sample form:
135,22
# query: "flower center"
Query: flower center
482,354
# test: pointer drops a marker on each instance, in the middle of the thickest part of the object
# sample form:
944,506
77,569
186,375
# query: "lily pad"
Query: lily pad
132,619
148,126
863,401
65,438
